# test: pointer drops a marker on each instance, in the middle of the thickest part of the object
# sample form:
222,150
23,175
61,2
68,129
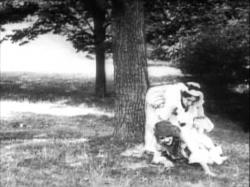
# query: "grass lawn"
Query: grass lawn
53,147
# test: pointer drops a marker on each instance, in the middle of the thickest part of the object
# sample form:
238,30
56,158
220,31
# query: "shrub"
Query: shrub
218,55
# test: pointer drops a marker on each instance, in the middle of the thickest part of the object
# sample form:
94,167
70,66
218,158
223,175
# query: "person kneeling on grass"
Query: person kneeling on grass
168,137
190,143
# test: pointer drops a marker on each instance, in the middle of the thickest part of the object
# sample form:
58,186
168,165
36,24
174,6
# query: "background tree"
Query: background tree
84,23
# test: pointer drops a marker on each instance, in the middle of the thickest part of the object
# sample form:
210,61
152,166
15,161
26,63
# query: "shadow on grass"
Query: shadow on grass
47,87
28,126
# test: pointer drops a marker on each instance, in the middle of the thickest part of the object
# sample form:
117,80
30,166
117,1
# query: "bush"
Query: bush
218,55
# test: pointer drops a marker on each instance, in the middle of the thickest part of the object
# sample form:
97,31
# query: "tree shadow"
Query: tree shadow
35,87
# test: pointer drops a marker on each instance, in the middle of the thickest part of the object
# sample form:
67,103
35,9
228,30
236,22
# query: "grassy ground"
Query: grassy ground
51,150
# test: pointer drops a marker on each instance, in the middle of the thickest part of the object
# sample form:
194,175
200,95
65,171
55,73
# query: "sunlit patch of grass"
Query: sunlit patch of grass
56,109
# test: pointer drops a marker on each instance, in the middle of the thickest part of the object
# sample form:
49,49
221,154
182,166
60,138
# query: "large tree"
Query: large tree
130,65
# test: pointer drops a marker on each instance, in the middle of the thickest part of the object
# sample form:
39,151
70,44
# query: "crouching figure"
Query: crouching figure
180,107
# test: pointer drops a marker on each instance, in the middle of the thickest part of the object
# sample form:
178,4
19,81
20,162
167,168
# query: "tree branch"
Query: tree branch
87,22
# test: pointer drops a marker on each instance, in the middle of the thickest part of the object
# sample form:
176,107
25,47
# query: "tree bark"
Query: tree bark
99,36
130,68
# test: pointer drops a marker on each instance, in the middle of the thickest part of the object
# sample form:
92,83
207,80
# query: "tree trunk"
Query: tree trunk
99,35
130,69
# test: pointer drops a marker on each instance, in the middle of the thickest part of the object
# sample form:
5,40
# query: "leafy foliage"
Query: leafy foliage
11,13
169,21
219,53
71,18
